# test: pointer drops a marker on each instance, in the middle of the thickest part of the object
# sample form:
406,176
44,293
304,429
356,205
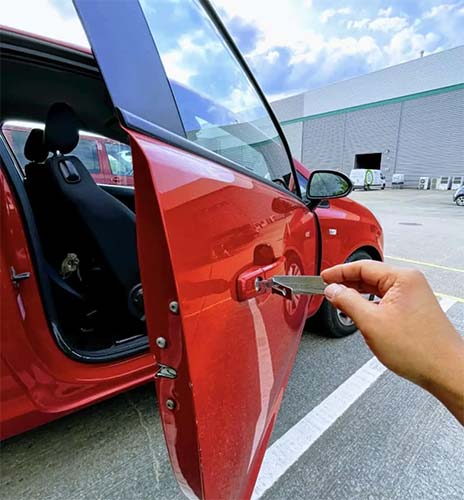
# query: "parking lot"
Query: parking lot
371,434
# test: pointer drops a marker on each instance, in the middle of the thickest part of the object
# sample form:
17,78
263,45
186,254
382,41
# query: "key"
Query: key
287,286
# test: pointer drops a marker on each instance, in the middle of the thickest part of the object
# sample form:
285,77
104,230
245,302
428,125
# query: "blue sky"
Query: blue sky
295,45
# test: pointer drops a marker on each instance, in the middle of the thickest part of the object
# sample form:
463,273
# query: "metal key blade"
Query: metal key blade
305,285
294,285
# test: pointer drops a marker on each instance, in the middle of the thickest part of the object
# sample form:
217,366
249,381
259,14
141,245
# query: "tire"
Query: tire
460,201
334,323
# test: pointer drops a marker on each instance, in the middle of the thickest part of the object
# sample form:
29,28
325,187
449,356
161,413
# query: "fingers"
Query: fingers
361,287
351,303
366,276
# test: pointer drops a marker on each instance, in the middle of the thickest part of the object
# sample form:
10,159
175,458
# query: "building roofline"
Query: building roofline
393,100
375,72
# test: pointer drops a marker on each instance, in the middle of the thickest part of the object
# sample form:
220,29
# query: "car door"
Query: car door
213,215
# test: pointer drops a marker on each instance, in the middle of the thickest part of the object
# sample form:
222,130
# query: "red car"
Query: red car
90,305
108,161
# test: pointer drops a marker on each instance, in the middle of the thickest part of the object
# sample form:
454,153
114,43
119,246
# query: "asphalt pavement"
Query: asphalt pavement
394,441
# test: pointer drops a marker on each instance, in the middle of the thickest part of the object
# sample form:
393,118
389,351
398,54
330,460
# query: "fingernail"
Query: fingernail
332,290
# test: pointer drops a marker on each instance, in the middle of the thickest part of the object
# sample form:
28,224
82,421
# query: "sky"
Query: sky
296,45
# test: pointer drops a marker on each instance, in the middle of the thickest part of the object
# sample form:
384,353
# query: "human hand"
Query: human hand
407,330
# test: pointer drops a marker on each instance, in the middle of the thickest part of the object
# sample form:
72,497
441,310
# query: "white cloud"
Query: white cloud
280,23
383,24
44,18
358,24
439,10
272,56
345,11
295,43
386,12
327,14
387,24
408,44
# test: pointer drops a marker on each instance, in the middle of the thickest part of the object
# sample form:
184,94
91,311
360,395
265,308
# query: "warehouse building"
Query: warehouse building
407,119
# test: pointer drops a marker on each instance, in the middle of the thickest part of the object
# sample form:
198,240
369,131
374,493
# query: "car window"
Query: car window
120,158
17,132
219,107
17,140
303,183
87,152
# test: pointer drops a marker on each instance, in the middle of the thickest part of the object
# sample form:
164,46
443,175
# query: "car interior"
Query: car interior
86,254
81,234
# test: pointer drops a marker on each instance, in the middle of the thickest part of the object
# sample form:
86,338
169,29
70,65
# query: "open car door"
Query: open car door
210,221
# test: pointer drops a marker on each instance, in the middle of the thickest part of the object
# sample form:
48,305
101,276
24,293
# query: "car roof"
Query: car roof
53,71
44,39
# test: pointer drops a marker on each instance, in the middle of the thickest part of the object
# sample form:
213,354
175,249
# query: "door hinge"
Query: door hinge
16,278
165,371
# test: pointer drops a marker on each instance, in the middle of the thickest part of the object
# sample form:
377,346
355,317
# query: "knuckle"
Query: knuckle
415,276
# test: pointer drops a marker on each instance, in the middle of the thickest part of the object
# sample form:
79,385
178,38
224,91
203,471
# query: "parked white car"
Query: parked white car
367,178
458,196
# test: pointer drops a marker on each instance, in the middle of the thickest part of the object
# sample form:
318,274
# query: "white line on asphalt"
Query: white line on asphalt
284,452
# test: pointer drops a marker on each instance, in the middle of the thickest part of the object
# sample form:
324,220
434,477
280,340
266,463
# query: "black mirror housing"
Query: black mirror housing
327,184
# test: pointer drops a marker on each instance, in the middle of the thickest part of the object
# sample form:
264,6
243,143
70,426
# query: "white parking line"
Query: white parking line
284,452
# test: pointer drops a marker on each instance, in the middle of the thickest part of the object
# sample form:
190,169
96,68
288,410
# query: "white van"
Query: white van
367,178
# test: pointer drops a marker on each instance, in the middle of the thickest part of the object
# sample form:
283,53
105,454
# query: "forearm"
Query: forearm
447,381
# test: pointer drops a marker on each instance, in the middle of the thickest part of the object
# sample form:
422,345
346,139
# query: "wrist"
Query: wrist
445,379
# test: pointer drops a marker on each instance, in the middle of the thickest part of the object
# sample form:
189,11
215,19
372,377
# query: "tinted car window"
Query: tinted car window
219,107
18,139
120,158
303,183
86,151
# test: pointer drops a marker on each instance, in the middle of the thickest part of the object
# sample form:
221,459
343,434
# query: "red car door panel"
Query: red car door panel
231,357
223,359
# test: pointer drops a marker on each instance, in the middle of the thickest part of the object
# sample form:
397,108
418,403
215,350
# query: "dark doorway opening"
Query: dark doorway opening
368,160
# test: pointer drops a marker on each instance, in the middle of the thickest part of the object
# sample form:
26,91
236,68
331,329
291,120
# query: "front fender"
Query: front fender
345,227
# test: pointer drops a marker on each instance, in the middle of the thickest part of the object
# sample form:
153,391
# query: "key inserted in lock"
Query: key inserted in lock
287,286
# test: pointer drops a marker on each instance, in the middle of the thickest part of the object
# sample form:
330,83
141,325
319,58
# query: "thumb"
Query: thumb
350,301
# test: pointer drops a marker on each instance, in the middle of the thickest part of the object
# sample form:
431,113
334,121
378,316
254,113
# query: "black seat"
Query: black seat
35,149
35,182
83,218
36,152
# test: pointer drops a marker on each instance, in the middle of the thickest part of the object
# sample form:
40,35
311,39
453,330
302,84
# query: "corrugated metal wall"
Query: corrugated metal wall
294,135
431,140
372,130
323,142
417,137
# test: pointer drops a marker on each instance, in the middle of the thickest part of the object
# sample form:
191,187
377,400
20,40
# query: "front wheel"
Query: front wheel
335,323
460,201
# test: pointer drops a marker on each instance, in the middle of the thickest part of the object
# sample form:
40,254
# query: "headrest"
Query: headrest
35,148
61,128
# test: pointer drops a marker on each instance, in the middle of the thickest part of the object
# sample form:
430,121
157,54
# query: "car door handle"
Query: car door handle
247,281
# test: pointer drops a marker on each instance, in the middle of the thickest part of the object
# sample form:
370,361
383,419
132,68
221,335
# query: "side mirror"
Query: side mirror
326,184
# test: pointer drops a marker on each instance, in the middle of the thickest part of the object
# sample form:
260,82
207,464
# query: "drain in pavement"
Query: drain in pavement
410,223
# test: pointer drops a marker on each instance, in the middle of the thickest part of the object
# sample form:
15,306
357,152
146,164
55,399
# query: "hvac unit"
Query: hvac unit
424,183
457,181
444,183
398,181
434,183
